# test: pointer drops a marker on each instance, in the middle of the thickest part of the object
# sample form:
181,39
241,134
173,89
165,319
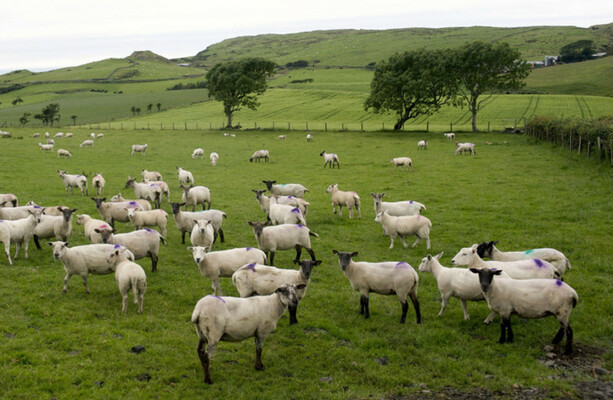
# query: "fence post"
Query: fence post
307,125
255,125
362,126
451,127
488,126
427,126
382,126
326,126
342,126
288,126
161,128
588,149
273,125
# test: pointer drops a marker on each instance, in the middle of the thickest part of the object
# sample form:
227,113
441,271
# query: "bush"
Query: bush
297,64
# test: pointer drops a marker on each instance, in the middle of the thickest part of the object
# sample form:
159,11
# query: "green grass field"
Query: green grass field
525,195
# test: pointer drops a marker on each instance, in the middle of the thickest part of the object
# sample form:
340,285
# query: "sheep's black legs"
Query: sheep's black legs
568,350
416,306
154,262
405,308
259,344
292,315
204,360
221,237
364,306
505,330
559,336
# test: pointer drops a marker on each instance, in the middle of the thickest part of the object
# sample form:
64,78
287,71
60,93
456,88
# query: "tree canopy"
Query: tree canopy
238,83
49,114
580,50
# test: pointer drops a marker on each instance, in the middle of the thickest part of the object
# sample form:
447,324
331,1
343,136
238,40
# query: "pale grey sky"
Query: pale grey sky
49,34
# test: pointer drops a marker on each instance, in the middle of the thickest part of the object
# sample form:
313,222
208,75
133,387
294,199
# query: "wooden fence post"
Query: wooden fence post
488,126
451,127
579,152
589,143
382,126
273,125
307,125
326,126
427,126
288,126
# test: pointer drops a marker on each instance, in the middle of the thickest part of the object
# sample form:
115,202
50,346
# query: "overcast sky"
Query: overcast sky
48,34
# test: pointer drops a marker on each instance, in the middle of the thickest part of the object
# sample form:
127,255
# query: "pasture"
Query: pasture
76,345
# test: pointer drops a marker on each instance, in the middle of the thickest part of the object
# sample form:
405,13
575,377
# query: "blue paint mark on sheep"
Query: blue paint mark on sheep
300,226
37,207
528,251
296,210
402,264
133,203
217,297
149,230
249,248
411,202
559,282
538,263
117,246
251,267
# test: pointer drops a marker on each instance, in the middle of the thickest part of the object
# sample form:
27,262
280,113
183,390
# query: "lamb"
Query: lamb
74,181
63,153
330,158
386,278
45,147
83,260
532,298
19,232
224,263
98,182
144,204
198,152
112,212
347,199
149,218
282,137
256,279
8,200
236,319
399,227
202,234
142,243
309,137
146,191
87,143
128,275
553,256
522,269
455,282
397,208
422,144
194,195
185,220
214,157
151,175
283,237
258,155
465,147
163,187
284,214
449,135
185,177
139,148
89,226
402,162
285,189
59,227
264,201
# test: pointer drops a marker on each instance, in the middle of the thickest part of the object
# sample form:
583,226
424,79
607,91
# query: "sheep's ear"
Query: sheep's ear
372,194
355,253
496,271
495,242
317,262
334,251
74,210
296,262
207,249
301,286
96,230
49,244
181,204
190,248
439,255
474,270
66,244
429,257
250,223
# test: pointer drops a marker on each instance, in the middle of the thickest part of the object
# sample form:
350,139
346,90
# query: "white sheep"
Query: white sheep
202,234
87,143
74,181
163,187
264,201
285,189
465,148
184,220
198,152
58,135
45,147
449,135
341,198
282,237
36,135
19,212
148,218
224,263
47,135
422,144
68,135
185,177
146,191
552,256
151,175
235,319
532,298
58,226
194,195
397,208
111,212
83,260
330,158
8,200
98,183
309,137
521,269
257,279
128,275
284,213
386,278
92,135
282,137
214,157
20,232
142,243
100,136
63,153
139,148
50,141
144,204
89,226
260,154
399,227
402,162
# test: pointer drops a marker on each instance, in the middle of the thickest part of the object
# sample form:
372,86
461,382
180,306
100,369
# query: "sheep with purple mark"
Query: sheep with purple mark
399,227
144,204
148,218
342,198
283,237
18,212
163,188
128,275
142,243
184,220
264,201
284,213
330,159
112,212
74,181
146,191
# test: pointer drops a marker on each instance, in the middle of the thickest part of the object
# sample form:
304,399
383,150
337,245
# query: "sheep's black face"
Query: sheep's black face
288,295
344,258
486,277
306,266
485,249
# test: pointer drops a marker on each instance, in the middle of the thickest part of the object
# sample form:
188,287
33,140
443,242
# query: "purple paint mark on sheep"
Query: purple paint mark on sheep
133,203
251,267
538,263
300,226
296,210
249,248
217,297
559,282
411,202
37,207
117,246
402,264
149,230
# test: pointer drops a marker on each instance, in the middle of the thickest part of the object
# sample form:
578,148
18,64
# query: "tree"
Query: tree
49,114
16,101
149,107
137,110
238,83
158,105
74,119
580,50
411,84
24,119
133,109
482,70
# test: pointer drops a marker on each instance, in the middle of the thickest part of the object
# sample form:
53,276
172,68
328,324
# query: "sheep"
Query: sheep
142,243
284,214
20,232
56,211
402,162
194,195
235,319
185,220
98,182
455,282
63,153
47,135
50,141
45,147
68,135
553,256
256,279
146,191
87,143
285,189
19,212
185,177
281,137
111,212
347,199
144,204
59,227
151,175
163,187
148,218
36,135
58,135
89,224
282,237
422,144
224,263
532,298
100,136
330,158
202,234
214,157
139,148
449,135
128,275
74,181
198,152
465,147
264,201
92,135
8,200
258,155
397,208
85,259
521,269
399,227
386,278
309,137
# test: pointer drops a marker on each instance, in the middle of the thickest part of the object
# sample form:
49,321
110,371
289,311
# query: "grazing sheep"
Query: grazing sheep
92,135
139,148
45,147
20,232
284,214
194,195
397,208
224,263
87,143
347,199
151,175
202,234
142,243
402,162
50,141
47,135
449,135
100,136
74,181
112,212
35,135
58,135
235,319
422,144
19,212
163,187
63,153
89,226
53,210
532,298
330,158
386,278
8,200
83,260
148,218
185,177
465,148
309,137
50,226
146,191
128,275
283,237
214,157
552,256
198,152
282,137
399,227
258,155
98,182
264,201
285,189
185,220
256,279
144,204
68,135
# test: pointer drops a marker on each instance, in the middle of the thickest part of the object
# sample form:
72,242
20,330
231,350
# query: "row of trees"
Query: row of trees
136,110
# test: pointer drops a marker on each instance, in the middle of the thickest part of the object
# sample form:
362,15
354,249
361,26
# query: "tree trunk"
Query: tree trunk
228,112
475,129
